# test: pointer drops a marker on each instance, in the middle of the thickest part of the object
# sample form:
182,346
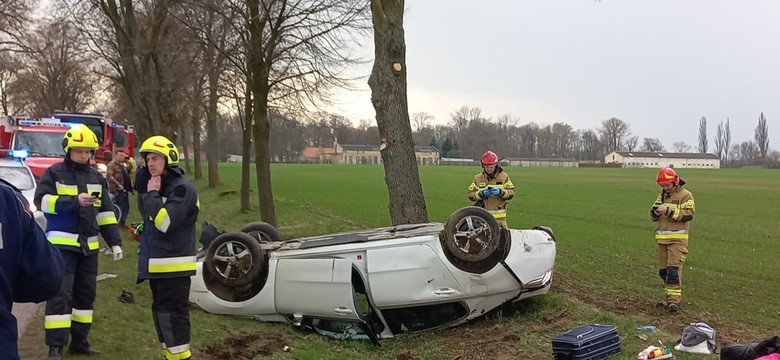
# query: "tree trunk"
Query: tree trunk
211,122
186,141
196,137
388,95
246,144
260,114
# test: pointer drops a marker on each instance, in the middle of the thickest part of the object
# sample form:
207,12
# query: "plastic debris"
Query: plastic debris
105,276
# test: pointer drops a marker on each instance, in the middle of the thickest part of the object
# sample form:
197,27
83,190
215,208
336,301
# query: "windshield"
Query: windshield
18,176
120,138
42,144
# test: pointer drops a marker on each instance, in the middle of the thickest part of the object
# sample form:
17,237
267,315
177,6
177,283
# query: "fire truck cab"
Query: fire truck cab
111,135
41,139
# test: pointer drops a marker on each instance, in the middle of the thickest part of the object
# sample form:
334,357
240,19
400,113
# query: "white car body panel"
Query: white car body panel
399,270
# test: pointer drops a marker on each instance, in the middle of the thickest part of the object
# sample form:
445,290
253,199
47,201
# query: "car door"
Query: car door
326,281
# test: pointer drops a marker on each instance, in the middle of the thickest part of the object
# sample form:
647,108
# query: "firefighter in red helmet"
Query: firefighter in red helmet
673,211
492,189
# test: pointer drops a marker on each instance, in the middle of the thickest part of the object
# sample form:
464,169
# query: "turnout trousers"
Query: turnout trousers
70,311
671,260
171,313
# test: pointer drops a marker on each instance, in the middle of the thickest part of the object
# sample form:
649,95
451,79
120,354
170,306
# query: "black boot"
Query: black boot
81,346
55,352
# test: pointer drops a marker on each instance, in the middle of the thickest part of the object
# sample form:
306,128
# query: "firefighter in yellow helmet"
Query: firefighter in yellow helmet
169,207
673,211
75,200
491,189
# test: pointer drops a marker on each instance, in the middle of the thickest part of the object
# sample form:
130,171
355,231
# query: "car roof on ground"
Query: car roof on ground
386,233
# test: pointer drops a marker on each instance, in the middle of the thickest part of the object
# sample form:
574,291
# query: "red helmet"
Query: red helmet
667,174
489,158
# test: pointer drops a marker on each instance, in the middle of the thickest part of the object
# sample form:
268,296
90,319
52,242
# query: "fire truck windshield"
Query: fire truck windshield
40,143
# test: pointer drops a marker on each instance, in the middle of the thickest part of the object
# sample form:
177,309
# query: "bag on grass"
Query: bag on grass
698,338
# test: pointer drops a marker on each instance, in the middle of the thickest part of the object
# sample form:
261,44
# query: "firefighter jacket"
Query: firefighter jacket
168,240
70,226
31,268
673,227
494,204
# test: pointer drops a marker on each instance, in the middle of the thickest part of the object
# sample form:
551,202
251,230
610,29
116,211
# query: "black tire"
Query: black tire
234,260
262,231
472,234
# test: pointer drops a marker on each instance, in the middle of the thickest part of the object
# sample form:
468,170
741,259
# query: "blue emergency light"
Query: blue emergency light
21,154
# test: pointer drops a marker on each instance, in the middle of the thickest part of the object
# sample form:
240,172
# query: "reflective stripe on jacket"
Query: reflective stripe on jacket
70,226
168,240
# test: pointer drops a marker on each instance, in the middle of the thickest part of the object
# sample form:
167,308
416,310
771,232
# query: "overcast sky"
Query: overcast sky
659,65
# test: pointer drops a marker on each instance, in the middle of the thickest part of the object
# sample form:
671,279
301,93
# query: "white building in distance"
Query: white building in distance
639,159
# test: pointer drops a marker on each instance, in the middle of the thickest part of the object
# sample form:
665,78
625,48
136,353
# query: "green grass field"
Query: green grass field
605,270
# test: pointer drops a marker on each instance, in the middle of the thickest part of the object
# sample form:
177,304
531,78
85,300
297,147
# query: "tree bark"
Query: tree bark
246,145
260,113
211,118
196,134
388,95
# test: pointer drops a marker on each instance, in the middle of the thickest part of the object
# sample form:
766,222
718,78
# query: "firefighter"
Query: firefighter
31,268
169,206
673,211
492,189
75,200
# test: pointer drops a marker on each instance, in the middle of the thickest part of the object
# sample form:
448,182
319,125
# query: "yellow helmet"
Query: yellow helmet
161,145
79,136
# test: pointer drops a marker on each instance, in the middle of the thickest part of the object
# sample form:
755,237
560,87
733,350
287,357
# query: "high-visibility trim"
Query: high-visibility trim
172,264
498,214
49,204
56,322
95,188
177,356
106,218
70,190
69,239
671,236
197,202
508,185
473,187
82,316
162,220
674,292
676,213
690,204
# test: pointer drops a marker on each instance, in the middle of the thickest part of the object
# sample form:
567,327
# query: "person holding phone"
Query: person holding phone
74,198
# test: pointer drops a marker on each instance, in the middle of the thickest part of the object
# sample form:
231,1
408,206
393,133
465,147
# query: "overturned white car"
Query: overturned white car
375,283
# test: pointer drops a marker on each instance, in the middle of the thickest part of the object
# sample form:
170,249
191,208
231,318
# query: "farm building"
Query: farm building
540,162
637,159
362,154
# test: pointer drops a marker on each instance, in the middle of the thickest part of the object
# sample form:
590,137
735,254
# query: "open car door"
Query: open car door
321,290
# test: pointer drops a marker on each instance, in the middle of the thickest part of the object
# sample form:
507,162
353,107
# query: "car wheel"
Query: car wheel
262,231
234,260
472,234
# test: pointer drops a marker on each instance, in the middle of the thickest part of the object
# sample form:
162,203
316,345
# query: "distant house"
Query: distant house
541,162
234,158
639,159
362,154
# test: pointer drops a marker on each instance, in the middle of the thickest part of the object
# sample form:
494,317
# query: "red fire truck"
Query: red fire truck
111,136
40,142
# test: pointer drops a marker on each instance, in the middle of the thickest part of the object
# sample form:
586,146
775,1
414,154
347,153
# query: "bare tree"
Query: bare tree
762,135
614,133
421,120
703,142
57,71
632,142
388,95
652,145
10,67
681,147
14,20
720,141
296,52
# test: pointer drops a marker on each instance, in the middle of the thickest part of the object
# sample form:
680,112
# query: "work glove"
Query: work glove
116,252
486,192
496,191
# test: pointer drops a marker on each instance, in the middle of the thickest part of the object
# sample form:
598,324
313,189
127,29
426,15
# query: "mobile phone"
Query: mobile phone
95,193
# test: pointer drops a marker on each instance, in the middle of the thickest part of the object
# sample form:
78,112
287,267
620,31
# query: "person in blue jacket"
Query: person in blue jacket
169,206
31,268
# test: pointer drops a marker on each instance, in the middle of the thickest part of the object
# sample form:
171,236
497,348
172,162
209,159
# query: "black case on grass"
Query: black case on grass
588,342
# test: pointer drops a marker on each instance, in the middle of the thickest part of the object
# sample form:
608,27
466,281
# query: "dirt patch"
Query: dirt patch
244,346
483,340
407,356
